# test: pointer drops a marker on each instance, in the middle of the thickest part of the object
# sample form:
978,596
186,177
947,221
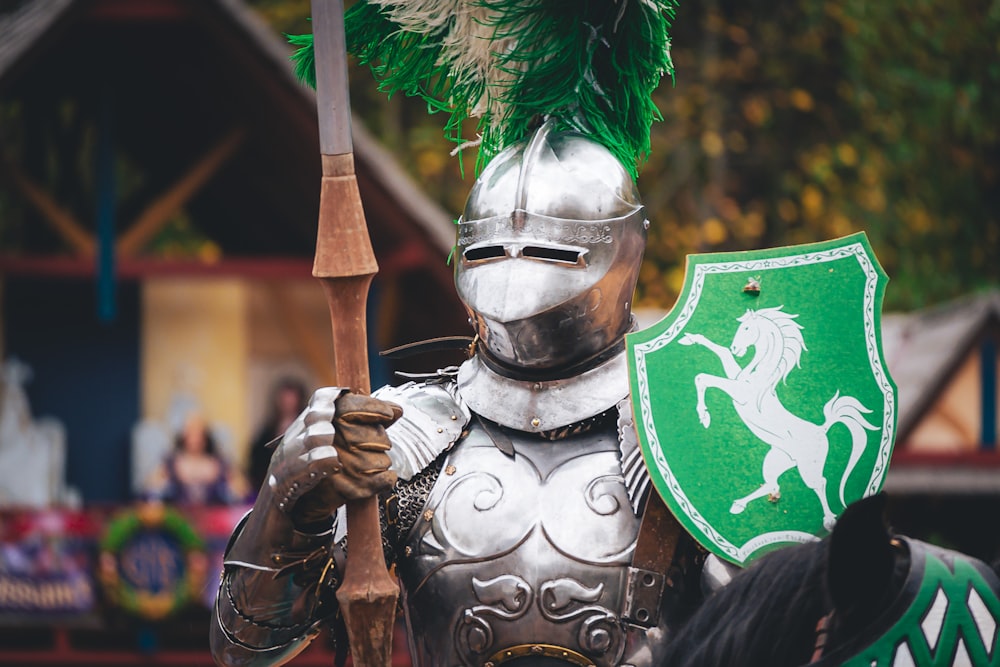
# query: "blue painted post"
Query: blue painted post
988,379
106,202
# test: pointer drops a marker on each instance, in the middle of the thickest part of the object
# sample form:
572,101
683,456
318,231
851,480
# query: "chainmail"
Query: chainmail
402,508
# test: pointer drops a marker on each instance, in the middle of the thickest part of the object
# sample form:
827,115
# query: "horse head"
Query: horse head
861,596
746,335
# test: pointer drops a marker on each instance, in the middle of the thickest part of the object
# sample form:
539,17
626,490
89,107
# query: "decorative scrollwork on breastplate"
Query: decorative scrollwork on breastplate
524,551
600,632
506,597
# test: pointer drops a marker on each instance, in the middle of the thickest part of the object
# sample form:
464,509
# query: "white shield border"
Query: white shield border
859,251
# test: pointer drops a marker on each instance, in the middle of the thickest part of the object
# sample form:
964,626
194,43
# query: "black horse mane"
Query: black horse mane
768,614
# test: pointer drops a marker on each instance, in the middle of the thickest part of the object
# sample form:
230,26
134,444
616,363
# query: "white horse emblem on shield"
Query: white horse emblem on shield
795,442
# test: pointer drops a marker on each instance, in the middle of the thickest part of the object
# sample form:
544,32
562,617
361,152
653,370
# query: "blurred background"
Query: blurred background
159,180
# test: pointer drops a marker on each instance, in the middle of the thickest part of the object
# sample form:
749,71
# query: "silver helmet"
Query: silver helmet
548,253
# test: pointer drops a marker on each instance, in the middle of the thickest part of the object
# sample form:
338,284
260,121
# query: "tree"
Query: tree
796,122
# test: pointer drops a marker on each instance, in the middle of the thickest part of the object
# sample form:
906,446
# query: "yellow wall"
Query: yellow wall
289,337
195,341
953,423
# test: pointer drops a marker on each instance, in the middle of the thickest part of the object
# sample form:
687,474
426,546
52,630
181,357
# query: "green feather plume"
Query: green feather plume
590,64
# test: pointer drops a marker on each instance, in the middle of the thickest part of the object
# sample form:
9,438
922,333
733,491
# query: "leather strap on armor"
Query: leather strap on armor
659,534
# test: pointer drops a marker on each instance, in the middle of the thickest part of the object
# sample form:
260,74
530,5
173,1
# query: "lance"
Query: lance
345,265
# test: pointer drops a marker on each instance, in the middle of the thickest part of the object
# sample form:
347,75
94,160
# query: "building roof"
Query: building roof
27,33
923,349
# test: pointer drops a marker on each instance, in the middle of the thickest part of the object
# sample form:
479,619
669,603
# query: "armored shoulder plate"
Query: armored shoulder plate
433,420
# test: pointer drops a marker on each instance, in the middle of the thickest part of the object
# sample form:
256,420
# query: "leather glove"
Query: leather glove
335,451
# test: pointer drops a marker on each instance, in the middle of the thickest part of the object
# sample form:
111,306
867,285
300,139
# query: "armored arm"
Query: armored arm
280,568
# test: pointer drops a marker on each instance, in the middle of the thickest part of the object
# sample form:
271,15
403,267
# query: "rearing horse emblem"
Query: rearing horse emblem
794,442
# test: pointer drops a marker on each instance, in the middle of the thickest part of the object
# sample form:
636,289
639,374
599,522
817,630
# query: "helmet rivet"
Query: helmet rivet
536,422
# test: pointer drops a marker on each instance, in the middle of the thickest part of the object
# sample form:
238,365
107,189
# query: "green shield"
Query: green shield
762,401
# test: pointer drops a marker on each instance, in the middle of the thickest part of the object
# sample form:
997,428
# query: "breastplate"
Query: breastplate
522,559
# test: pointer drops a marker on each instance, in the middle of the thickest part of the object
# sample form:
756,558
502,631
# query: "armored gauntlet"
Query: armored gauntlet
334,452
280,567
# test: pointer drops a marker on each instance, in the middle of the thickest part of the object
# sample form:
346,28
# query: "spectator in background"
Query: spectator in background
194,473
288,399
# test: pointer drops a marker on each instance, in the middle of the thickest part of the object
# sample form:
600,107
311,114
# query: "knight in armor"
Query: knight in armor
513,488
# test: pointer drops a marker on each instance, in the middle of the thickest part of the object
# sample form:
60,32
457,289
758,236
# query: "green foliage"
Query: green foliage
809,120
802,121
591,66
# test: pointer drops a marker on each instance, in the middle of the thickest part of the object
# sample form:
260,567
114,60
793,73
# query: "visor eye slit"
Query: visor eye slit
568,256
481,253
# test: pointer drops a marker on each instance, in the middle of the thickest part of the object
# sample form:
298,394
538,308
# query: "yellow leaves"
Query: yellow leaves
736,142
747,58
682,106
675,279
915,215
801,100
713,231
787,210
920,222
840,225
847,154
729,209
712,143
869,175
872,199
431,163
752,225
812,201
756,110
738,34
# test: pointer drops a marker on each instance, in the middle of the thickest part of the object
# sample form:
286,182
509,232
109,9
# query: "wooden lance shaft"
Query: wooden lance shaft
345,264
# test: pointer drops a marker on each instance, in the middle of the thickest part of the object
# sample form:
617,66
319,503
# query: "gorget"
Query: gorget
544,405
523,559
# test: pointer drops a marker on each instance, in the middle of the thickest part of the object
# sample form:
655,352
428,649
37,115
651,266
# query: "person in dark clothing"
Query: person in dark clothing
288,399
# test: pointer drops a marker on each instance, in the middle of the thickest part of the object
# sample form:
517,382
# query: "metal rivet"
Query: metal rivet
537,386
752,286
454,418
428,515
536,422
281,506
312,475
537,649
440,430
450,470
408,551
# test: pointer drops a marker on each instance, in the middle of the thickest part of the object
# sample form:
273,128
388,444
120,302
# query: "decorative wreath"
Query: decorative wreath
152,562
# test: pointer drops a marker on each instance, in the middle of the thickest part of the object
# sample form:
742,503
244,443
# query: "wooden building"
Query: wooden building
944,480
159,180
